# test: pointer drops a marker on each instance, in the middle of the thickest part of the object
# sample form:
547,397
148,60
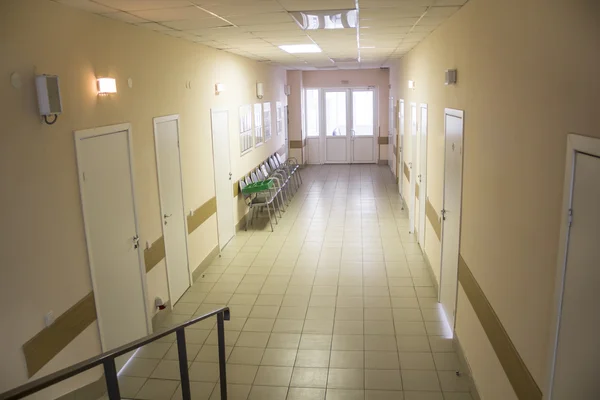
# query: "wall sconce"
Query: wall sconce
219,87
260,90
287,89
107,85
411,85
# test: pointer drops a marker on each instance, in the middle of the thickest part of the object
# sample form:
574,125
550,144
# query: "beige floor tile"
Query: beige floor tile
309,377
377,302
379,328
315,342
253,339
242,299
347,359
166,369
231,338
415,360
312,358
305,394
348,342
157,389
293,312
457,396
344,394
405,302
268,393
383,395
345,378
279,357
156,350
320,313
318,326
322,301
259,325
350,301
241,374
140,367
380,342
210,353
410,395
273,376
383,379
381,360
349,314
441,344
204,372
269,300
191,350
264,311
420,380
288,326
199,391
234,392
130,385
348,328
378,314
450,382
296,300
284,340
446,361
246,355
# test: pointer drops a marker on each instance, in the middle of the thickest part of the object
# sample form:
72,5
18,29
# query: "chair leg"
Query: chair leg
270,222
274,213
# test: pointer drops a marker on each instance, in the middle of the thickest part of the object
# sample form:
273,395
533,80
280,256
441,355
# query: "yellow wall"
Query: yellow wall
527,76
44,260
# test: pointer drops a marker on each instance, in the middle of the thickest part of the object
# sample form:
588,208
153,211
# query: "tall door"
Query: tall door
337,137
286,125
401,148
107,195
422,173
577,351
223,182
451,212
170,185
364,131
412,165
391,136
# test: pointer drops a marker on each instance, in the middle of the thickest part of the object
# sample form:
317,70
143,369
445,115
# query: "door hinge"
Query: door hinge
570,217
136,241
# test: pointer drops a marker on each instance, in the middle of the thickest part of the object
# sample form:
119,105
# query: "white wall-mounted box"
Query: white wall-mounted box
48,92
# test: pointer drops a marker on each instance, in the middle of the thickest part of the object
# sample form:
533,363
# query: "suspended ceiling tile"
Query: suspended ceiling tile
248,8
442,11
280,27
125,17
199,24
396,12
154,26
314,5
260,19
136,5
87,5
172,14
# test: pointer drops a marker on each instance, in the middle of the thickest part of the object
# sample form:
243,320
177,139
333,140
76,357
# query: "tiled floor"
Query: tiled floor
335,304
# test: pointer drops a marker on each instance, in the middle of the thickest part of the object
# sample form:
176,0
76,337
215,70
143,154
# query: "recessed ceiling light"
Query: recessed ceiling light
331,19
301,48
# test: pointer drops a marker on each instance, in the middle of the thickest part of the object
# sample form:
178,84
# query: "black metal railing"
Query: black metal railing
110,371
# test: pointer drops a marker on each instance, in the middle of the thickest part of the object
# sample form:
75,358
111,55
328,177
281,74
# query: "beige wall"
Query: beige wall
294,79
44,264
527,76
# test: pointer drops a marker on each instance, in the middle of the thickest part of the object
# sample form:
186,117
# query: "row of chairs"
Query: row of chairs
286,182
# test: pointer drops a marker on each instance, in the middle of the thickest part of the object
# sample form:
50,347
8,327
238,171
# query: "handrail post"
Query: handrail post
222,361
112,381
183,365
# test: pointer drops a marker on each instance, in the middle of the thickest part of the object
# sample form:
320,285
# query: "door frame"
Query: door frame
101,131
155,122
412,166
459,114
423,134
212,142
575,144
400,147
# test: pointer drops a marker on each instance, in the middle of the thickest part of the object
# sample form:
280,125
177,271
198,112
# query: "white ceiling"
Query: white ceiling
255,28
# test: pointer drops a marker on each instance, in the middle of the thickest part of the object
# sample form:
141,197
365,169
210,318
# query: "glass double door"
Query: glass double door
349,126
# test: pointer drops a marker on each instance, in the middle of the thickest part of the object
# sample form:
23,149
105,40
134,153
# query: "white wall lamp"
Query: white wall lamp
287,89
412,85
260,90
219,88
107,86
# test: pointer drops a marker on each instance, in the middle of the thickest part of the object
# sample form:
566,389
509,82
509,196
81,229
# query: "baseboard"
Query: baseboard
465,367
430,270
91,391
205,263
383,162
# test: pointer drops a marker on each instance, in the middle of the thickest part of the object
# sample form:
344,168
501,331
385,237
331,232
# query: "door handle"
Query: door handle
444,212
167,216
410,165
136,241
230,176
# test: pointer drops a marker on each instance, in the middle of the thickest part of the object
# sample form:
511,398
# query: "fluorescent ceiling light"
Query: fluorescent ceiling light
331,19
301,48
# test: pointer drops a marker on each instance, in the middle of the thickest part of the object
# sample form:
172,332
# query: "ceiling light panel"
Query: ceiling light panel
332,19
301,5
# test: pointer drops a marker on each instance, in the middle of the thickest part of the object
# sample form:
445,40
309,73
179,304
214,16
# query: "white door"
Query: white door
412,165
116,263
364,128
391,136
422,173
401,149
172,211
578,349
223,182
313,124
337,118
451,212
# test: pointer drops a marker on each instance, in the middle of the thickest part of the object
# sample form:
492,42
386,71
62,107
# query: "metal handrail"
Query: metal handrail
107,359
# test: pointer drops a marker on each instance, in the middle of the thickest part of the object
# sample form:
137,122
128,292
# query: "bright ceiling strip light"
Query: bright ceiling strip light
301,48
357,31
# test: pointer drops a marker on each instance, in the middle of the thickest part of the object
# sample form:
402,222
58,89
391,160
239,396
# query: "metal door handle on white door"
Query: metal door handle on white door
230,176
444,212
136,241
410,165
167,216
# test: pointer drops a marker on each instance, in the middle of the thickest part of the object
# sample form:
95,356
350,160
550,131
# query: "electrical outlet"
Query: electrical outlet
49,318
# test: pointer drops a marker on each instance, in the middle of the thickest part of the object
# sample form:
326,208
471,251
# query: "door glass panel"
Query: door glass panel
362,104
335,113
312,112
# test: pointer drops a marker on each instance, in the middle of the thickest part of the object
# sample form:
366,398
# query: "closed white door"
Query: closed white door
337,135
170,185
391,136
223,182
422,177
412,165
117,272
578,349
364,128
451,212
401,149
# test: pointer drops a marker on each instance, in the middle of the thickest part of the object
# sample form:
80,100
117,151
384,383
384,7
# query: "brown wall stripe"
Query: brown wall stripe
417,190
383,140
51,340
296,144
154,254
517,372
407,171
201,214
433,218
